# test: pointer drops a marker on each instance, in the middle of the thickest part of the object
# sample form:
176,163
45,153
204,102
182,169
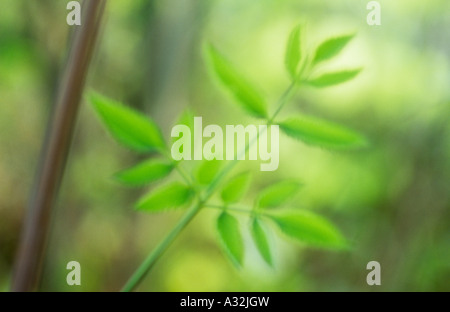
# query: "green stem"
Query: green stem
237,209
177,165
285,97
156,253
184,174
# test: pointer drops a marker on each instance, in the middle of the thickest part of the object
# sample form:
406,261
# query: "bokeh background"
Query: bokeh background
391,200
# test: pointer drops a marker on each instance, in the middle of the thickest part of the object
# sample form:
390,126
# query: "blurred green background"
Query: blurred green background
391,200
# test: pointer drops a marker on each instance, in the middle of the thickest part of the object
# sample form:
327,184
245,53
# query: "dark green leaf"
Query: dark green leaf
277,194
172,195
293,52
236,188
145,172
309,228
335,78
331,48
260,239
319,132
230,237
248,98
127,126
207,171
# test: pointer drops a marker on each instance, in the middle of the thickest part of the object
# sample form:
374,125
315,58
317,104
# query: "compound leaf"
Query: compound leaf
230,237
128,126
331,79
277,194
236,188
245,94
331,48
307,227
169,196
293,52
261,242
322,133
145,172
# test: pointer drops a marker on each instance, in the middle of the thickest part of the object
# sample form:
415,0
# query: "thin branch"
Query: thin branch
156,253
31,251
232,208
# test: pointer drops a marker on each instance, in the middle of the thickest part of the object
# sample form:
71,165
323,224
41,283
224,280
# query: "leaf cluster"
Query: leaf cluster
271,207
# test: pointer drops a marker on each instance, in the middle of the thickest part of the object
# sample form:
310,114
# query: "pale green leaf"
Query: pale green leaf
331,48
145,172
128,126
236,188
307,227
230,237
169,196
293,52
245,94
261,242
207,171
323,133
278,194
331,79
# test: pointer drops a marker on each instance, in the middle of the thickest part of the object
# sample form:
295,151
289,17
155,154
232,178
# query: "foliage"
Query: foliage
270,208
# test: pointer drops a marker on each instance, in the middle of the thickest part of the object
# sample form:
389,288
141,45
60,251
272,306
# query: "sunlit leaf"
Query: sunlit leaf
293,52
207,171
145,172
307,227
245,94
331,48
331,79
278,194
169,196
236,188
260,239
323,133
128,126
230,237
186,118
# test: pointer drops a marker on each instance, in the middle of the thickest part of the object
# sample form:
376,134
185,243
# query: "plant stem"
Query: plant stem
156,253
285,97
237,209
148,263
184,174
55,150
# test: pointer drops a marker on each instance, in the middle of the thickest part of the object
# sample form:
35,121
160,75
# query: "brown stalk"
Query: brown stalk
59,134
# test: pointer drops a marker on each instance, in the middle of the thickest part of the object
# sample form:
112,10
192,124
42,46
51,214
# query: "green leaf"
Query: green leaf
331,48
331,79
322,133
207,171
277,194
145,172
293,52
245,94
230,237
172,195
236,188
128,126
186,118
304,226
260,239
